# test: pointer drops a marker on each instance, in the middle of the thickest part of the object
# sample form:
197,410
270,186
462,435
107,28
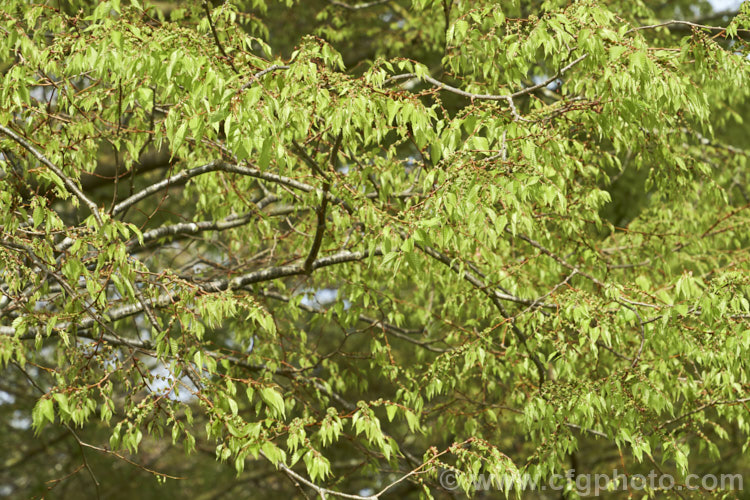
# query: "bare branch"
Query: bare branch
187,228
284,271
214,166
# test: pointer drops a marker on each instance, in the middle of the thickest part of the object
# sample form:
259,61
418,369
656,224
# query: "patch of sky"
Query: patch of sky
19,420
725,5
6,398
165,384
321,298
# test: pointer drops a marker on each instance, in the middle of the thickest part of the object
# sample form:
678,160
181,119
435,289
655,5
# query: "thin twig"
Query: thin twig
703,407
493,295
216,37
323,492
637,356
70,430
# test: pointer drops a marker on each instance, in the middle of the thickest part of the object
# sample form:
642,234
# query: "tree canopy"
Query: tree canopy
328,248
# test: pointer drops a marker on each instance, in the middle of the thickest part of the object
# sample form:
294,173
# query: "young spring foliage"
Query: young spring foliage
358,244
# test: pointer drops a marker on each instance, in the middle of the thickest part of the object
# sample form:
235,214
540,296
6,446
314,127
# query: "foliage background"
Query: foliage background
354,276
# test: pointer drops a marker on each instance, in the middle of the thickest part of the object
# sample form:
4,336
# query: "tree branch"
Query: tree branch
389,328
322,492
216,37
677,22
493,296
319,231
214,166
260,74
360,6
57,171
187,228
489,97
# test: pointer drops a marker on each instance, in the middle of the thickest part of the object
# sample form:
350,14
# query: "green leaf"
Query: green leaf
273,399
265,153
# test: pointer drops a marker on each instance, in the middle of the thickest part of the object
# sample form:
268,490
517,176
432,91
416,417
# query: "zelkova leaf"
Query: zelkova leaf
369,248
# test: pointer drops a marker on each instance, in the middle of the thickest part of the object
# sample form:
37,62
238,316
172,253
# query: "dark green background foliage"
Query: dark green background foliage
276,249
